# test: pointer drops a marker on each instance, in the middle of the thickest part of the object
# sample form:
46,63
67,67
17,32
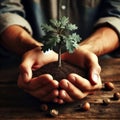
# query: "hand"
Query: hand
76,87
42,87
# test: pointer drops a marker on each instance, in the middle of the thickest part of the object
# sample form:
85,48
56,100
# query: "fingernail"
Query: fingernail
64,94
61,101
95,78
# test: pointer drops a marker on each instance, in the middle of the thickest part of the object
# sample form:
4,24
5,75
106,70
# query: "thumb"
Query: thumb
25,72
94,74
94,69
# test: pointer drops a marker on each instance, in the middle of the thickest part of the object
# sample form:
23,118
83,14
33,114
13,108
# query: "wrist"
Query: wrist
27,42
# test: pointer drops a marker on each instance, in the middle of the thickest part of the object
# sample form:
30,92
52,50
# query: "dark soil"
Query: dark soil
59,73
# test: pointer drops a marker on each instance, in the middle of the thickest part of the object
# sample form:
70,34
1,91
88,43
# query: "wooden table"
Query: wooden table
15,104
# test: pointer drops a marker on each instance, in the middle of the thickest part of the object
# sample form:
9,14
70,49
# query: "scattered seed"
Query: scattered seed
109,86
106,101
54,112
44,107
86,106
116,96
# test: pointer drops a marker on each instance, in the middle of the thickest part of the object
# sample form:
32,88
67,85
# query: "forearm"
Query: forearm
14,29
102,41
17,39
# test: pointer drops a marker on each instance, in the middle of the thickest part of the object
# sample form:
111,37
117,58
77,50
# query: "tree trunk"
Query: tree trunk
59,56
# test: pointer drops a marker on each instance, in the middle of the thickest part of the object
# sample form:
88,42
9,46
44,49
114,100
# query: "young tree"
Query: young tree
59,33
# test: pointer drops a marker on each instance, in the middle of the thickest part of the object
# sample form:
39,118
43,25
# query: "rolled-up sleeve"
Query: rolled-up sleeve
110,15
12,13
8,19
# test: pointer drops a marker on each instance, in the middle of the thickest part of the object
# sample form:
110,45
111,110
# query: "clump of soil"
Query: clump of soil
59,73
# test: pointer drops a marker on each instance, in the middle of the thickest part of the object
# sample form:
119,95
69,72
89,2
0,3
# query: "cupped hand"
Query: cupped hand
76,87
43,87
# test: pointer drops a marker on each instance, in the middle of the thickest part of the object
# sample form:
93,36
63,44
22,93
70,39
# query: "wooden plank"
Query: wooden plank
15,104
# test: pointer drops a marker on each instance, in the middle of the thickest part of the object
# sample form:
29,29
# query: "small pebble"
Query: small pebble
44,107
86,106
54,112
106,101
116,96
109,86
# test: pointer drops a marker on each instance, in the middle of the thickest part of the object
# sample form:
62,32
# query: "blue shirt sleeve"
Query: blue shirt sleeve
110,14
12,13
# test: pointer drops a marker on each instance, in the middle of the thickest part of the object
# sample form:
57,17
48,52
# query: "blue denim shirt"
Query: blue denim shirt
86,14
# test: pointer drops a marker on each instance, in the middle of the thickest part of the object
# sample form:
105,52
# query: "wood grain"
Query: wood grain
15,104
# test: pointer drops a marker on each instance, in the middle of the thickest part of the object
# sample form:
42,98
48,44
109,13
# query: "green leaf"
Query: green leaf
69,46
71,27
55,23
57,33
47,28
64,21
75,37
72,42
50,42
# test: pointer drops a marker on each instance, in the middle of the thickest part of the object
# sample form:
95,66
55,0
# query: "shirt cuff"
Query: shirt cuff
8,19
112,22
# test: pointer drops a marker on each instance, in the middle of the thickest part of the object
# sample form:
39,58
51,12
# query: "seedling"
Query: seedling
59,33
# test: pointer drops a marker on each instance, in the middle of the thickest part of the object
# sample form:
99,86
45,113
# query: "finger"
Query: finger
41,81
58,100
94,69
26,71
71,90
94,74
50,96
41,92
83,84
65,96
